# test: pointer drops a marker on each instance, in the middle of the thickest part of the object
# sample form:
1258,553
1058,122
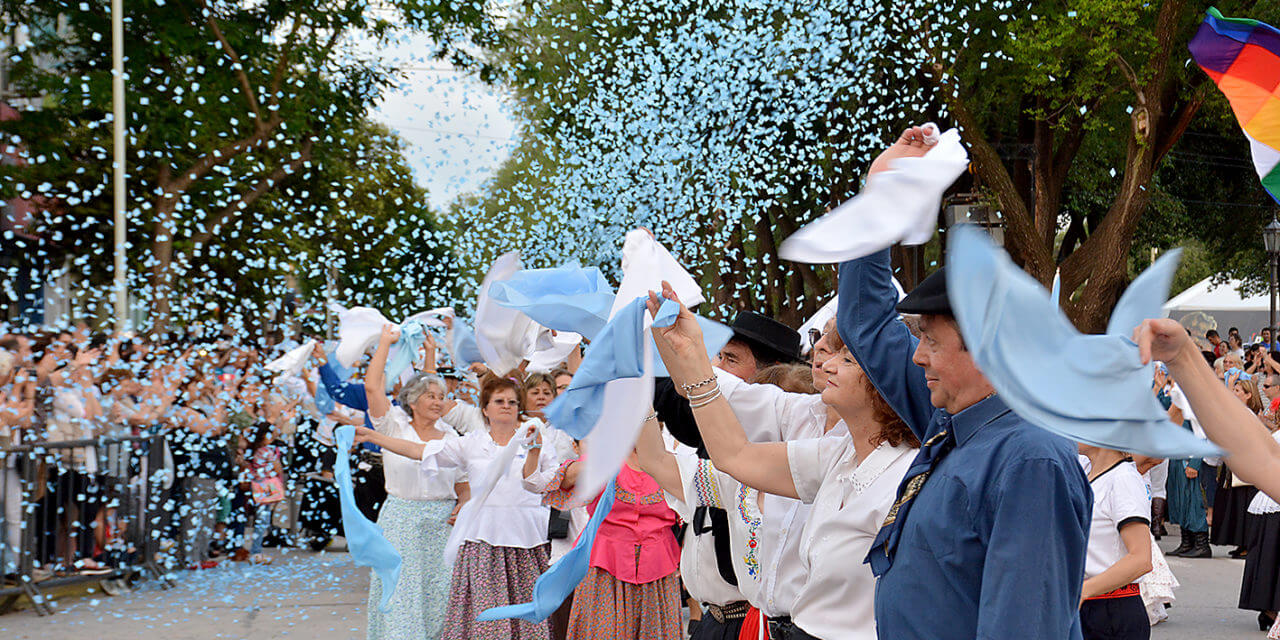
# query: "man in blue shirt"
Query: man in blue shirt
368,478
988,535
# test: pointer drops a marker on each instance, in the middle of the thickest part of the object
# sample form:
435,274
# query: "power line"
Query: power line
451,133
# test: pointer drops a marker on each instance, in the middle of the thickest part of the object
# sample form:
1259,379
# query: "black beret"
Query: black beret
929,297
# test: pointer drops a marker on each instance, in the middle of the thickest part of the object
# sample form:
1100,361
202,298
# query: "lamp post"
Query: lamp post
1271,240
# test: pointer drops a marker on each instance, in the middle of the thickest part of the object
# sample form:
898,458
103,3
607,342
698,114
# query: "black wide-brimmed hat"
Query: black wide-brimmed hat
929,297
768,334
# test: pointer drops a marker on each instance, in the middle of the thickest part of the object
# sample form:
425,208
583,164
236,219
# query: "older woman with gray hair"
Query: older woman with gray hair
419,508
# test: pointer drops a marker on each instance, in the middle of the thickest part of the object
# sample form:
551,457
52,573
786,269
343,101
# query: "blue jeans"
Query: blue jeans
261,522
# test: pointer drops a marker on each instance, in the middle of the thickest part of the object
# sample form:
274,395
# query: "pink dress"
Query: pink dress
632,588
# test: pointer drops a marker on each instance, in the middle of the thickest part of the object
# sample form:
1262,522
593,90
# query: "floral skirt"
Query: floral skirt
607,608
418,529
486,576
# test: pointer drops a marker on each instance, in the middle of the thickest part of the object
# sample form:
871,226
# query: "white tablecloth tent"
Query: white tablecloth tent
1206,306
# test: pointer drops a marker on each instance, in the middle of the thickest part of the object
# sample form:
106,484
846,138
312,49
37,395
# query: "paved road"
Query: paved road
302,595
1206,606
322,597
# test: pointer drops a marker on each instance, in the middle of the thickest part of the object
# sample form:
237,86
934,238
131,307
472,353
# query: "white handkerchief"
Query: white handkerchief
291,363
358,329
896,206
645,264
544,359
605,449
433,317
504,336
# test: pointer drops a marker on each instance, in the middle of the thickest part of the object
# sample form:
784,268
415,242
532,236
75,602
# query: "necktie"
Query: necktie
931,453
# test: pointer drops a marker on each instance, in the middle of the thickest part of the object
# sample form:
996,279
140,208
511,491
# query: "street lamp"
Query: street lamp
1271,240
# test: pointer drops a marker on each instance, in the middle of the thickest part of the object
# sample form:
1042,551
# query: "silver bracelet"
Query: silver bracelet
695,397
651,416
701,383
706,401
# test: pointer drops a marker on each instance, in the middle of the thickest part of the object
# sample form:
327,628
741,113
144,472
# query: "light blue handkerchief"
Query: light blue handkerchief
615,353
567,298
404,351
1089,388
551,588
365,541
464,349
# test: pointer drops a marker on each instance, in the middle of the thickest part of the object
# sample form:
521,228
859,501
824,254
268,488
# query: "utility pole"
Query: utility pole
117,121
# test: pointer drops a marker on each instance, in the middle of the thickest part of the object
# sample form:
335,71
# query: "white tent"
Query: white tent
1206,306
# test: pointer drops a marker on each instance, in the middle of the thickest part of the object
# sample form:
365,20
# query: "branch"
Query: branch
216,157
277,76
248,198
1182,119
237,66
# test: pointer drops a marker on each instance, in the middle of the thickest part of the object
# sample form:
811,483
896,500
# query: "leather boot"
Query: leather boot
1159,508
1188,541
1200,548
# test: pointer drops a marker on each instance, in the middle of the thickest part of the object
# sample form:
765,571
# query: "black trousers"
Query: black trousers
711,629
1115,619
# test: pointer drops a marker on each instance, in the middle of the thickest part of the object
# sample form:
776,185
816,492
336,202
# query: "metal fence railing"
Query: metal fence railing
67,501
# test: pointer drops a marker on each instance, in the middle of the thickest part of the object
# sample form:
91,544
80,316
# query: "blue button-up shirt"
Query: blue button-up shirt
994,543
350,394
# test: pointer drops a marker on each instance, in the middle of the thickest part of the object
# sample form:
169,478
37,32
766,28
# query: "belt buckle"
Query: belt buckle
716,613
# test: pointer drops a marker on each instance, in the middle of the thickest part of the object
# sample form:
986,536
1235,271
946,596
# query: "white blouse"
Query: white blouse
849,502
404,478
1119,498
769,414
511,516
1263,504
465,418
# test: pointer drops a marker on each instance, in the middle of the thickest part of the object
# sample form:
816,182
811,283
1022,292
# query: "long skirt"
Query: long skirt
1230,509
1260,585
486,576
418,529
1186,499
607,608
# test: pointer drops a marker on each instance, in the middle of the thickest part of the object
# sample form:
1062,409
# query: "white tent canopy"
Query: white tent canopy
1205,296
1206,306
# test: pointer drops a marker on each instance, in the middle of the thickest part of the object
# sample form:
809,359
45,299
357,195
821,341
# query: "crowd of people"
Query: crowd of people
863,480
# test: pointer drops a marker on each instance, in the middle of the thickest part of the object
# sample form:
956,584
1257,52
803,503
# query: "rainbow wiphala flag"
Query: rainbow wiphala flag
1243,58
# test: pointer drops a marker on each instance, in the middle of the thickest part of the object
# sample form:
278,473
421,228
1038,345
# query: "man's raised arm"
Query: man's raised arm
869,325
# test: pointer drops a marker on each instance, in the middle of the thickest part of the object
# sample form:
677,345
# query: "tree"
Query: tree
1068,110
722,128
227,101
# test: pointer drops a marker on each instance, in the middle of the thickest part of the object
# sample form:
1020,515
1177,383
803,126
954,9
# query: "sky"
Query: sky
459,130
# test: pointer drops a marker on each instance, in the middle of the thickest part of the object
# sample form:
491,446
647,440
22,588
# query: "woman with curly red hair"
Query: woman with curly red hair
850,480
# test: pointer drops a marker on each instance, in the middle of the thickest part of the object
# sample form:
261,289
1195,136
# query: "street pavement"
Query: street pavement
322,596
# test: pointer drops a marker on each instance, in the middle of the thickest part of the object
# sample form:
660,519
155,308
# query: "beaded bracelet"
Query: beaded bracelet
695,397
702,383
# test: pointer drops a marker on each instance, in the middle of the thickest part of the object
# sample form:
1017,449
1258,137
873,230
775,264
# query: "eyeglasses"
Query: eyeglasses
814,336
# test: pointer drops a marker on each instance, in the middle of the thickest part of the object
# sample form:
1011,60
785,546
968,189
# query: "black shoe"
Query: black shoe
1187,543
1201,547
1238,552
1265,621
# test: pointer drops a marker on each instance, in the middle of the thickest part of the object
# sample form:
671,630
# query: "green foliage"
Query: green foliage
234,112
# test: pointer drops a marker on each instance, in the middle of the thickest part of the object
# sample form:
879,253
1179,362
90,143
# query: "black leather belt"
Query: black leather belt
731,611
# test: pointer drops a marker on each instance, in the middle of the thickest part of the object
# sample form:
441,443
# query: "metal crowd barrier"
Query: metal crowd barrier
55,486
